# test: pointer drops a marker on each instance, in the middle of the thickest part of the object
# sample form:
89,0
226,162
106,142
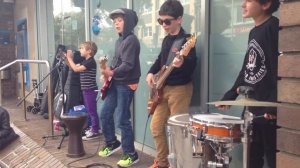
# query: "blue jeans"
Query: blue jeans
118,100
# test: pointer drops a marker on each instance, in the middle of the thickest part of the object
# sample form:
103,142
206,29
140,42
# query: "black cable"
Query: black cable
145,132
95,154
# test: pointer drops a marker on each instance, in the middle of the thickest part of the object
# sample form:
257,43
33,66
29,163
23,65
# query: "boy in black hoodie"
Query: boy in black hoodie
259,71
124,72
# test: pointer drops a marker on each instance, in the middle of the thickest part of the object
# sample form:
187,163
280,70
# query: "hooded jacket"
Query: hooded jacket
126,63
7,134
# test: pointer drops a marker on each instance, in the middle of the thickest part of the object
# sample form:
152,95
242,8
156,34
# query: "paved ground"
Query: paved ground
31,150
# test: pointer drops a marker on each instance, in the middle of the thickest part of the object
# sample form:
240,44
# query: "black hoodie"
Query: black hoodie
126,63
7,134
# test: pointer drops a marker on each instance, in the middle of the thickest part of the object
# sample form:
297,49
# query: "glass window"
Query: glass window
69,22
102,30
228,43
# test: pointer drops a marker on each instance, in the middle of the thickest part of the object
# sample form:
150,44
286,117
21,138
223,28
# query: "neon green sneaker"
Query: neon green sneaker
128,160
110,149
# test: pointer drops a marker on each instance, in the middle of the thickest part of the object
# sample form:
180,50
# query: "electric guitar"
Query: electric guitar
107,83
156,92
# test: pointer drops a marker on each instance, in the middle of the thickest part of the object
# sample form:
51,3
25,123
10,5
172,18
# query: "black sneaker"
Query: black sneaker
110,149
128,160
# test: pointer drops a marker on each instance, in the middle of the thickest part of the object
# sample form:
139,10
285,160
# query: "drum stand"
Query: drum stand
222,158
247,127
247,132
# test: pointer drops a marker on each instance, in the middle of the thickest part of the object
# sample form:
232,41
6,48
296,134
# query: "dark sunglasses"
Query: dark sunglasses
166,21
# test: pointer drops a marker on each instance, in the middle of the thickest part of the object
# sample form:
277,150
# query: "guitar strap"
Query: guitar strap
176,44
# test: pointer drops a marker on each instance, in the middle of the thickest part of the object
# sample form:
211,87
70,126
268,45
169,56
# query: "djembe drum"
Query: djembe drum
75,122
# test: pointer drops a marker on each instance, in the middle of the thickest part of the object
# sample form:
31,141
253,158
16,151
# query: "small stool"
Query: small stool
75,122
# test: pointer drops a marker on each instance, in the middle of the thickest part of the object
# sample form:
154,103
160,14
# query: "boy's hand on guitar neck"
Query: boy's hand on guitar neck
106,72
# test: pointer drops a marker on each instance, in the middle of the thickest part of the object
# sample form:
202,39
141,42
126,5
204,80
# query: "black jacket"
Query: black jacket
126,61
7,134
179,76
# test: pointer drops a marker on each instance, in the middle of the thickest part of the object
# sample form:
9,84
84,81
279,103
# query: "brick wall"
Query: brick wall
288,136
7,47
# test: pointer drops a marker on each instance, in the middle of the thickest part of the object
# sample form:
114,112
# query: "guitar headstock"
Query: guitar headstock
103,61
190,43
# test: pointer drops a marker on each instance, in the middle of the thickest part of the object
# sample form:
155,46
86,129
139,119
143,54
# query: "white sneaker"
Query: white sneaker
90,135
88,131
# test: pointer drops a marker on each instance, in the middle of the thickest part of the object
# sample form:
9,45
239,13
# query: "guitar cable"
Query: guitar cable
145,132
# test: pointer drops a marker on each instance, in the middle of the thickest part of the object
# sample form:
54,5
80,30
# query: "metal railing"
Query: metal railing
21,61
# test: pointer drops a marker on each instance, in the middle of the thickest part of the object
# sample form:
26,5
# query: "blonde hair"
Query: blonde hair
90,45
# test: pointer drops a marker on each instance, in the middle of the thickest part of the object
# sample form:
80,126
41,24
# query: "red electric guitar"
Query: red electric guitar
106,85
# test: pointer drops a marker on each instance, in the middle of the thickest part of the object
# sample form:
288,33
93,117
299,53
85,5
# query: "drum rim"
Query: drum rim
217,121
75,115
178,123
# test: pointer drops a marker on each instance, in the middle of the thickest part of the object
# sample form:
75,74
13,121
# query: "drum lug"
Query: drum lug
200,135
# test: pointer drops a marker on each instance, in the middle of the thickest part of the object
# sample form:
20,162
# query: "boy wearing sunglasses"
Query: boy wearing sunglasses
178,88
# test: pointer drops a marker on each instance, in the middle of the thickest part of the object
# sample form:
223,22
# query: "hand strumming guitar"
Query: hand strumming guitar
107,72
178,60
149,80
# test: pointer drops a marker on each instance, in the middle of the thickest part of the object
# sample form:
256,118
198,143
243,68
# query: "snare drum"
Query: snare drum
218,127
181,143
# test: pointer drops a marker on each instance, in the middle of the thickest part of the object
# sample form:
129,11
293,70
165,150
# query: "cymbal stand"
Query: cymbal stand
247,132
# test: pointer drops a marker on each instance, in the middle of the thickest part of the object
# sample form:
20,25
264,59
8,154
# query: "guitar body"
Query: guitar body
105,88
156,94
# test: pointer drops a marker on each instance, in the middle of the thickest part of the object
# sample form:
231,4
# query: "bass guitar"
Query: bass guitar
107,83
156,92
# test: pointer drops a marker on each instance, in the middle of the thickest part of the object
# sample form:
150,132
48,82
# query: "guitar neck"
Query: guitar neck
164,76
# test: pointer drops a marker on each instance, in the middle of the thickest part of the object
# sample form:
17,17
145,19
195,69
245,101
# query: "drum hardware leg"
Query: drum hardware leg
198,147
247,130
200,135
222,158
172,160
172,156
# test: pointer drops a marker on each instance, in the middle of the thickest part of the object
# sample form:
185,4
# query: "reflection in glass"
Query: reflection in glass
228,42
69,22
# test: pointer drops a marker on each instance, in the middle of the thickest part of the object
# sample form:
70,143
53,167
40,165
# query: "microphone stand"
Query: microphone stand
61,66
